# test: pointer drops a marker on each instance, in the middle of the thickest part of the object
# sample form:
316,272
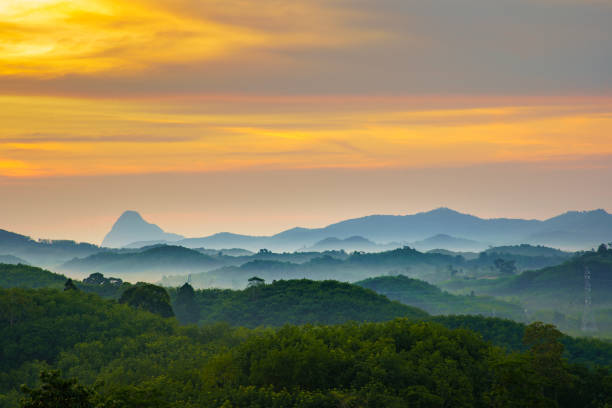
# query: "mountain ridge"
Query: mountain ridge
571,230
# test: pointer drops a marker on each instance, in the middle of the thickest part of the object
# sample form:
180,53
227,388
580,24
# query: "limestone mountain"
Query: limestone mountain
131,227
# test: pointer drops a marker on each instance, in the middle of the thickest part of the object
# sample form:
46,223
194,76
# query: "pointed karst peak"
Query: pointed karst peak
130,215
131,227
131,219
443,210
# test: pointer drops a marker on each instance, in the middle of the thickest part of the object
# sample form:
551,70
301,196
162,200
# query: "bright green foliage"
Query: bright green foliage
299,302
546,352
384,365
430,298
148,297
56,392
509,335
133,358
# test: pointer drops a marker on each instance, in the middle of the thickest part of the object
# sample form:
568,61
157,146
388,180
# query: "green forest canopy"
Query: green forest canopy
132,358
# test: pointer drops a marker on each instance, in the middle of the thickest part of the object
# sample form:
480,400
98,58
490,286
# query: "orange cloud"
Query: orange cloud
50,38
79,136
55,37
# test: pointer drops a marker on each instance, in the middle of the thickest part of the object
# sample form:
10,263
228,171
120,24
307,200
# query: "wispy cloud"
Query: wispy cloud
73,136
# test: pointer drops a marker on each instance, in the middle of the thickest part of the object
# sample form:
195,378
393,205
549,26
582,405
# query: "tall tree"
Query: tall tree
149,297
185,307
546,352
69,285
56,392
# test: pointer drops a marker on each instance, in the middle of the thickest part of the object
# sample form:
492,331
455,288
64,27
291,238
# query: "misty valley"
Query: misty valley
438,312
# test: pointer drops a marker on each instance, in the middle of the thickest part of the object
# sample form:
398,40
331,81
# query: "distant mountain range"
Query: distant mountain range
16,248
442,227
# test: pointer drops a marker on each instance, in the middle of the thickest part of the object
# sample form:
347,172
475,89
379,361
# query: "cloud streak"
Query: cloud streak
96,137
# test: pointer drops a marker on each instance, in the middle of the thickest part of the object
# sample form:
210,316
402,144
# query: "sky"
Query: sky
254,117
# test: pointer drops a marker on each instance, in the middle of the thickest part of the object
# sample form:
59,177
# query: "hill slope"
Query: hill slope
299,302
25,276
10,259
151,261
357,266
430,298
138,359
48,253
448,242
556,294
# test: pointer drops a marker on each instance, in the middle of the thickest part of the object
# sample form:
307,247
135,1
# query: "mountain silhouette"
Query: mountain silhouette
131,227
571,230
448,242
441,227
354,243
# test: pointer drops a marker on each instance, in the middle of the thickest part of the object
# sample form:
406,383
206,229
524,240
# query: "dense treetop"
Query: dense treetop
25,276
298,302
127,357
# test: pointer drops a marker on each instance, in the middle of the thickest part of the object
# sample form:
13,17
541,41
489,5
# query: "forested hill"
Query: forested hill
298,302
509,335
25,276
137,359
356,266
562,281
431,266
154,259
561,285
430,298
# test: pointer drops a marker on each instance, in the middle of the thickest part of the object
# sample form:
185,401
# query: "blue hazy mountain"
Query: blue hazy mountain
573,230
354,243
17,248
131,227
12,260
448,242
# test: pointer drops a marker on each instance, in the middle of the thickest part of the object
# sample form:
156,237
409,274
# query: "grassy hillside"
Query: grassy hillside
298,302
430,298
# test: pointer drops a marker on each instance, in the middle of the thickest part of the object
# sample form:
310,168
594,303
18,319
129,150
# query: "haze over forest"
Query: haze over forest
305,204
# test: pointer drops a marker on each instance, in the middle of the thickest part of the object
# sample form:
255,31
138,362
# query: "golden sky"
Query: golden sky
53,136
96,88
